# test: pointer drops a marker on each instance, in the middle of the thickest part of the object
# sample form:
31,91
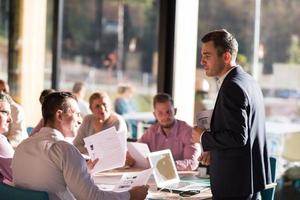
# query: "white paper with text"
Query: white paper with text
203,119
109,147
132,179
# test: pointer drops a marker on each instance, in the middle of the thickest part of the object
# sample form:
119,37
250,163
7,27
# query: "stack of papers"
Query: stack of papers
109,146
127,181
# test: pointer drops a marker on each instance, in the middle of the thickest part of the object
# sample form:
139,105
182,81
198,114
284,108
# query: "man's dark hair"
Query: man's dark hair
44,93
162,98
223,42
53,102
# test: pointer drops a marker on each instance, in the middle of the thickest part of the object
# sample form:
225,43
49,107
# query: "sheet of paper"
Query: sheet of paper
139,151
203,119
123,138
133,179
109,147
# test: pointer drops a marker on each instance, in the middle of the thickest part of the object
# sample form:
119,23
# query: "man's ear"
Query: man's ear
175,111
227,57
58,115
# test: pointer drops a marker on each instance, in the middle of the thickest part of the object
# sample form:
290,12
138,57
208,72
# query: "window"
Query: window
238,18
109,43
4,6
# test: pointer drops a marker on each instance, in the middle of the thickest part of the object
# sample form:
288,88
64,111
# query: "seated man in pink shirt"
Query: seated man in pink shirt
171,133
6,150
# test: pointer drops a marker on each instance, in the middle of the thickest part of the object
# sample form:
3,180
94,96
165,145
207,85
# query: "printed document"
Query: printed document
133,179
127,181
109,147
203,119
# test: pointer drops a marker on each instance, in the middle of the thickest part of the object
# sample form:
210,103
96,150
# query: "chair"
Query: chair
291,154
29,130
141,128
268,194
13,193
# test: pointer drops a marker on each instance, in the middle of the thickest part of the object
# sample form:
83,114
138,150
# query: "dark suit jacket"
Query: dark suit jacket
237,140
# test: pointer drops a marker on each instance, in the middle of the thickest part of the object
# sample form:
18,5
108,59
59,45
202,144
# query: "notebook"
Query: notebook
166,175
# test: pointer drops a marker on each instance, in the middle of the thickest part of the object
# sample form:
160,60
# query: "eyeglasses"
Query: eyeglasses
5,112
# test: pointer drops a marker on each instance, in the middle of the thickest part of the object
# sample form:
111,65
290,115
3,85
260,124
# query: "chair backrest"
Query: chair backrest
29,130
13,193
291,147
268,194
141,128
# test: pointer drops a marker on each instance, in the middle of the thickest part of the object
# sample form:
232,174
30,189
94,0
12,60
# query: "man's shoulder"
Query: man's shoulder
115,118
182,125
64,148
154,127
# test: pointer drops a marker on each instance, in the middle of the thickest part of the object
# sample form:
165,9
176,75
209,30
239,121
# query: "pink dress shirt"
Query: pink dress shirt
6,154
179,141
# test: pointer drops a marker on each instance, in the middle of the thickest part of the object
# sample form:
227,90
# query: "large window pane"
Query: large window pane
279,60
108,43
4,6
238,18
49,37
280,69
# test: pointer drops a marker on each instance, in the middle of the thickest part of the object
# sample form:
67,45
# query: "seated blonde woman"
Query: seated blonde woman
102,118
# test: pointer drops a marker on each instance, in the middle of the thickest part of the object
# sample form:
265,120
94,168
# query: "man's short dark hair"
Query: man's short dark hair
162,98
44,93
53,102
223,42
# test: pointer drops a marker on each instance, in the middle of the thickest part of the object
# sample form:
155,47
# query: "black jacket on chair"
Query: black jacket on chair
237,139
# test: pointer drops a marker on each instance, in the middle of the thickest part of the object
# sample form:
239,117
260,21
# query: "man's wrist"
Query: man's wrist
201,135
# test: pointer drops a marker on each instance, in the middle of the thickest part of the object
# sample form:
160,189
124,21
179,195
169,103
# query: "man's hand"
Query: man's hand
139,192
204,158
129,160
196,135
91,164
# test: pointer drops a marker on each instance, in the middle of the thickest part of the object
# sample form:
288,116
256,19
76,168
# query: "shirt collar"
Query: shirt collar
221,78
51,131
173,131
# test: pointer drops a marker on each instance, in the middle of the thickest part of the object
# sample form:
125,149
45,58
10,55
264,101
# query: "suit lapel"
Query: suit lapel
237,69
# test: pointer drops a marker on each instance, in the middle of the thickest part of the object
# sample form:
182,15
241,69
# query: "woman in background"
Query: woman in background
102,118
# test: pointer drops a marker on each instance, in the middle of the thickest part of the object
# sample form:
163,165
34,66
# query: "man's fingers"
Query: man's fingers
92,163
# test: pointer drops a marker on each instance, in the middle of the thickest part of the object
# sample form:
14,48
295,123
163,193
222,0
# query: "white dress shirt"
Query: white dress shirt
45,162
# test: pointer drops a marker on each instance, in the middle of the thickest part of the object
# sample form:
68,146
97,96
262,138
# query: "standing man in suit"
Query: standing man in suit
235,145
